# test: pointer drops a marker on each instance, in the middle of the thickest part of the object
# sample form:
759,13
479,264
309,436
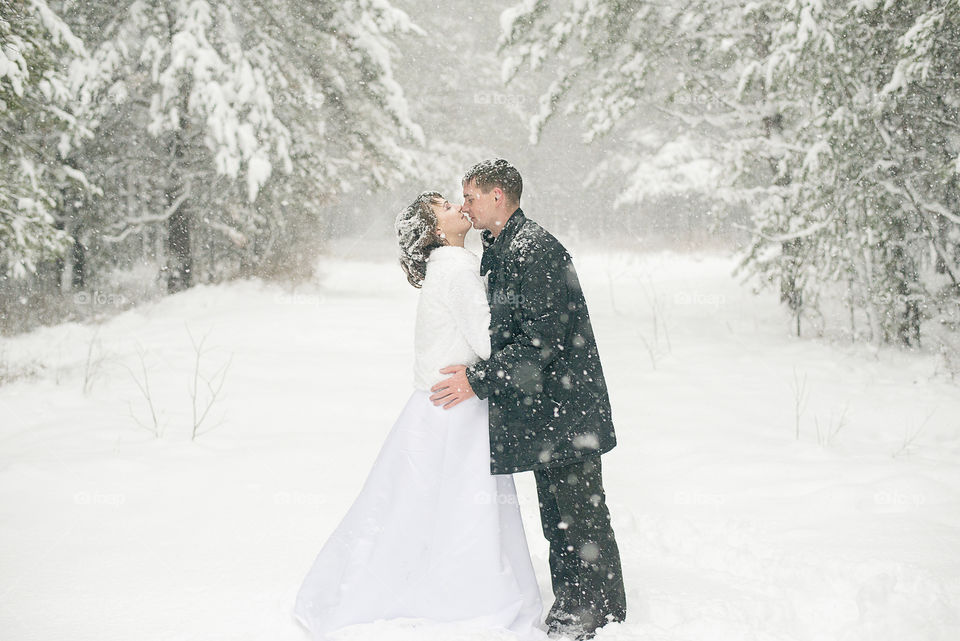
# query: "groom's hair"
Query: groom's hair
496,173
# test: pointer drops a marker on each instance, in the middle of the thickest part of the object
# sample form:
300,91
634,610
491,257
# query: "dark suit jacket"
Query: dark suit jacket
547,395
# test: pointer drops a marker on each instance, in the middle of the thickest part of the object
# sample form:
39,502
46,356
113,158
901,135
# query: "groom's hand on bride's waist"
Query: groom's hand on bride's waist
453,390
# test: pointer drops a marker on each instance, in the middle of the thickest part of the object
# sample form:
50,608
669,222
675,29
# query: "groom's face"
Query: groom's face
478,206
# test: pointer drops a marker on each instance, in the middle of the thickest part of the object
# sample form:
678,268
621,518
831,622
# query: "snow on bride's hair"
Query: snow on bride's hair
417,232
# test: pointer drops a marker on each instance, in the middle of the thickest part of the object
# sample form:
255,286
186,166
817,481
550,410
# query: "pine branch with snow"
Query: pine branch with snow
836,125
36,129
248,118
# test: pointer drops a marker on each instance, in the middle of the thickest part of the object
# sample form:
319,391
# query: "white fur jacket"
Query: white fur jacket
453,316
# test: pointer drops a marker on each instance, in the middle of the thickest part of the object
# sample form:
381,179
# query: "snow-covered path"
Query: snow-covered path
729,527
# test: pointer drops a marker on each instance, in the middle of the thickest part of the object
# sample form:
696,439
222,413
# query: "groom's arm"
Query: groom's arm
519,366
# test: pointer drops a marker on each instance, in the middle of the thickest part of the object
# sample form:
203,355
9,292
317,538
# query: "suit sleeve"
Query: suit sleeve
543,299
467,300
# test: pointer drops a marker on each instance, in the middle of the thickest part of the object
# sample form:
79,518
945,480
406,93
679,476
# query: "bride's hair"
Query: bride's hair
417,232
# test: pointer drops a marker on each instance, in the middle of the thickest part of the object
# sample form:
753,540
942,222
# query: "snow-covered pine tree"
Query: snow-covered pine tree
653,76
838,122
221,127
920,129
865,196
36,129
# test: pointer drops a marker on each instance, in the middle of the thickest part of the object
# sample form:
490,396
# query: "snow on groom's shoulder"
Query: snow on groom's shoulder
533,241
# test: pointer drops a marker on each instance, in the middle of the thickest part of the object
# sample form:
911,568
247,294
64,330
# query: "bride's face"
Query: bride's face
450,220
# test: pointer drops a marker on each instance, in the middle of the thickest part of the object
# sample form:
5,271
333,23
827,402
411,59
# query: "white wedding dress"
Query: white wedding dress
433,538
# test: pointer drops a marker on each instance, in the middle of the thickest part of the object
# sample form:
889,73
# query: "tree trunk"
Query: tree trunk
790,292
74,264
79,253
66,266
901,286
179,224
179,251
179,256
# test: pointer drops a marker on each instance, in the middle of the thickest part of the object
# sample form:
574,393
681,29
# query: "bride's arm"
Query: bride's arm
467,299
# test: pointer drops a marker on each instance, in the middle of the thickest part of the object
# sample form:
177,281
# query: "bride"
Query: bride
433,537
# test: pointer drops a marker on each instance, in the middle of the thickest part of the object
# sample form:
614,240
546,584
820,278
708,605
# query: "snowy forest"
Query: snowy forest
207,336
152,145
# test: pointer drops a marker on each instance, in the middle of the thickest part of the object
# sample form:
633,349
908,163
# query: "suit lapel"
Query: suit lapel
493,247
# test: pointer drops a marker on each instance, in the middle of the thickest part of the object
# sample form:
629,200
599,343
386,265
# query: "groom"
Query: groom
549,410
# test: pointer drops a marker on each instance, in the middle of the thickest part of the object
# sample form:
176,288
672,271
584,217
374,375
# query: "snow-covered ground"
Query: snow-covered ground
729,526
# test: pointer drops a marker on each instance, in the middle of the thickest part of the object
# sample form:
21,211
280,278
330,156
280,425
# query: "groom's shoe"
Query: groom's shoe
566,632
580,627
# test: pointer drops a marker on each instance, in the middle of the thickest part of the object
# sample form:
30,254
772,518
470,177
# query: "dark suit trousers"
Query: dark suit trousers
584,558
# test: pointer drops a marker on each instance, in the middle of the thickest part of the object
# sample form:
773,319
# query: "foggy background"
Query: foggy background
451,79
152,146
454,84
